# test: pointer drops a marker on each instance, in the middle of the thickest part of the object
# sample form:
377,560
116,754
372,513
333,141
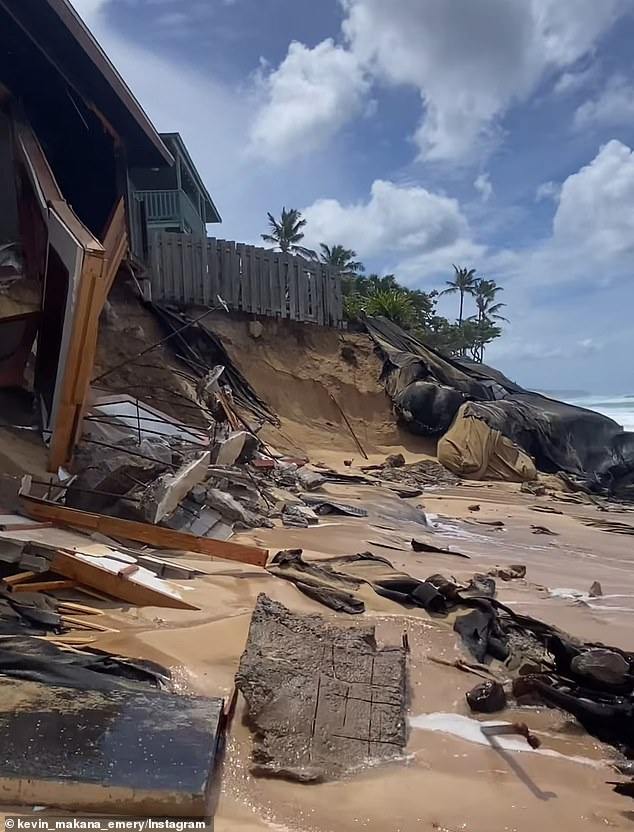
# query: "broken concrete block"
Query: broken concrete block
299,515
601,665
394,461
170,489
255,329
11,550
227,506
229,449
158,449
129,752
112,472
310,480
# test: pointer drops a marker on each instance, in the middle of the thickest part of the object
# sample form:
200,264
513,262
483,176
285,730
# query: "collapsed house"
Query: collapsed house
70,130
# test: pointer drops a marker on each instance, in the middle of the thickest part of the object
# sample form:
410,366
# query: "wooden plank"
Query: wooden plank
242,291
251,279
266,288
292,287
20,527
204,271
234,272
225,284
303,295
213,269
43,586
157,536
318,296
19,578
72,622
115,243
278,286
72,607
116,586
78,365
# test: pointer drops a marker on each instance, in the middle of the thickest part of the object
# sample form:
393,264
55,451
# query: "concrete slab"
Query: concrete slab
170,489
120,752
323,700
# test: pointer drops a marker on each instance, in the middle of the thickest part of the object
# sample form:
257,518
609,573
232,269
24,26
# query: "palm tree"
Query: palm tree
374,283
488,312
341,259
286,233
484,294
464,282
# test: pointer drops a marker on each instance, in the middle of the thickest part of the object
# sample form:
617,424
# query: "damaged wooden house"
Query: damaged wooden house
70,133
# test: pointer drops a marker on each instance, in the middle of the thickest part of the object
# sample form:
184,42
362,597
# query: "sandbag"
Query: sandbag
473,450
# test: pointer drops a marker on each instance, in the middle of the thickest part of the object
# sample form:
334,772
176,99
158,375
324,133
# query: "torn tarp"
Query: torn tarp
430,391
34,660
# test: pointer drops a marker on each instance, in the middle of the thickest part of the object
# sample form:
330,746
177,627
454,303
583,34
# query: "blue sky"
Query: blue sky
495,134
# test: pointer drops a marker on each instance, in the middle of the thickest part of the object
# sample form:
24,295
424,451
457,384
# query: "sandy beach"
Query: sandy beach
448,778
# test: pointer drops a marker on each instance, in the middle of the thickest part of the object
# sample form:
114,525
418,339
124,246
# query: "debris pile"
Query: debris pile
537,662
417,475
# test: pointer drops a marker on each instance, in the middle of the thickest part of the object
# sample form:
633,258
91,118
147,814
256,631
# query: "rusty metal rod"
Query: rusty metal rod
349,426
512,728
135,358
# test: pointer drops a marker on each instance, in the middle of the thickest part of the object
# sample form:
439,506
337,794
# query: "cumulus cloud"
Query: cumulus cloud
595,206
394,218
614,105
570,82
307,99
469,61
548,190
483,185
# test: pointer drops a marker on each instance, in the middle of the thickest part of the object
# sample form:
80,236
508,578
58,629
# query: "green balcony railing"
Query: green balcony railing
172,208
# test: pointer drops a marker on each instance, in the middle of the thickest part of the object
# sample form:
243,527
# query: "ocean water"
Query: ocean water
619,408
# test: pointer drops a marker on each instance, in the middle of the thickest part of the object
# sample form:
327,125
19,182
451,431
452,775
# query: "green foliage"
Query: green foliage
286,233
395,304
341,258
412,309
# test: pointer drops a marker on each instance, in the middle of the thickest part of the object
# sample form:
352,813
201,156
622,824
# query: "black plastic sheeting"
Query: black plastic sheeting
201,350
427,390
34,660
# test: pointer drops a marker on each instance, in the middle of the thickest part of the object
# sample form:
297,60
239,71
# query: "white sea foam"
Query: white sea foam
619,408
468,729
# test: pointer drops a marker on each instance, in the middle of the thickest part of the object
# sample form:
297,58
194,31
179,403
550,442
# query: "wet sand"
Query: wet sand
446,781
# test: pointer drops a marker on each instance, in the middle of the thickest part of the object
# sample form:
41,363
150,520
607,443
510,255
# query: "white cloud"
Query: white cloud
595,207
471,61
308,98
483,185
570,82
613,106
394,219
548,190
214,119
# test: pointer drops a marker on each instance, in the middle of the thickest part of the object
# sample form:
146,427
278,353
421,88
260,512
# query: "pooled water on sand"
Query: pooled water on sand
446,780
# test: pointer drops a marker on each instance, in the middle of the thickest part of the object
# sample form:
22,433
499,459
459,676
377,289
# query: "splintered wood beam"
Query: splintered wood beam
43,586
156,536
110,583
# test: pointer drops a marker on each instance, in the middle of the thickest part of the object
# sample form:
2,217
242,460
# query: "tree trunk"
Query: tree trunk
461,308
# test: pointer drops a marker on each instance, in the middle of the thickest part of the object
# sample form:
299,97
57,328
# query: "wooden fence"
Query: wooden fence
189,270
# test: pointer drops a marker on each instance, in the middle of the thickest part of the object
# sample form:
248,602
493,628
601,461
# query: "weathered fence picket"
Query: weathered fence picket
190,270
